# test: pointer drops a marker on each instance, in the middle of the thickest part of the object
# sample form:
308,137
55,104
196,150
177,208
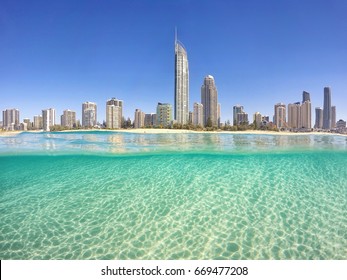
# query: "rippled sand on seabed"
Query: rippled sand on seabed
245,205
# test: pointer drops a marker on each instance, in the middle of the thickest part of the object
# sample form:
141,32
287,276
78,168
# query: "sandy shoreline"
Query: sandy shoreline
181,131
9,133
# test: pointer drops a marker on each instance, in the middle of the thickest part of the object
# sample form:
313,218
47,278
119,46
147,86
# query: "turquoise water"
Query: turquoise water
106,195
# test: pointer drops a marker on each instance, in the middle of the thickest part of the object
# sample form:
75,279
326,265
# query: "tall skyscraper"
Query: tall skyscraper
319,118
236,109
294,115
327,108
48,118
333,116
89,114
305,112
305,96
164,114
280,115
209,100
181,83
139,120
114,113
10,119
68,119
198,114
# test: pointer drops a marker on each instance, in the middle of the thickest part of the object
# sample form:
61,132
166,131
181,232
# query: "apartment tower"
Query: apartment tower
139,120
114,113
327,108
333,116
305,112
89,114
164,114
294,115
10,118
236,110
319,118
198,114
48,118
38,124
68,119
209,100
280,115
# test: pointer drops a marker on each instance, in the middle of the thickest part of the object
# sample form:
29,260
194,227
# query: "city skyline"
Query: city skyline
56,62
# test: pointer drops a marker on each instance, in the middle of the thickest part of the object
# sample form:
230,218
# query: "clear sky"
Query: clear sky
62,53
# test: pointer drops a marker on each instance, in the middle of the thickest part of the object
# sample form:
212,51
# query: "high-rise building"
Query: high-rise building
319,118
68,119
48,118
305,96
209,100
113,119
181,83
28,122
10,119
198,114
139,120
333,116
294,115
305,112
89,114
257,119
327,108
38,122
114,113
150,119
236,110
154,119
164,114
280,115
242,118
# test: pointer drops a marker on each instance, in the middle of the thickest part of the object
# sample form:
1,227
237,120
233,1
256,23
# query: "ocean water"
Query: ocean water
112,195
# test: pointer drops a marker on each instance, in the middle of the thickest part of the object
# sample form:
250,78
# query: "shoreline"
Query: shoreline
256,132
9,133
181,131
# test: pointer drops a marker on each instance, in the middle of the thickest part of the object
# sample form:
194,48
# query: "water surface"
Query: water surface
106,195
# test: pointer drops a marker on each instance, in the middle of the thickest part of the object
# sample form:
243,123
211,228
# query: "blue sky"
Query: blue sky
61,53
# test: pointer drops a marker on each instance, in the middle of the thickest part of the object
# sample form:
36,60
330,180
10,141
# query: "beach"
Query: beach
9,133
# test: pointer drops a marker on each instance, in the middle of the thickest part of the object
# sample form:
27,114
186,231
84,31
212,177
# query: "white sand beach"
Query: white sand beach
9,133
